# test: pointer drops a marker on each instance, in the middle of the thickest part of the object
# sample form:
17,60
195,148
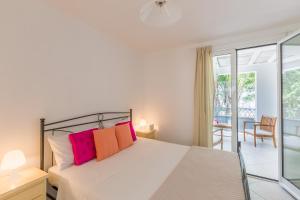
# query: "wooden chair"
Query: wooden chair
263,129
218,138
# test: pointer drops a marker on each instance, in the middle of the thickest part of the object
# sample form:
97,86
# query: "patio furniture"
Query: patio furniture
263,129
219,137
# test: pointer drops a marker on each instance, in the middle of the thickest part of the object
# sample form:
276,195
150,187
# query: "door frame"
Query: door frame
291,188
237,72
222,49
234,87
233,74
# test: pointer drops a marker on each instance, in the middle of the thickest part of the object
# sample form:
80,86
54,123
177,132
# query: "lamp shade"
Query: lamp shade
13,160
143,123
160,13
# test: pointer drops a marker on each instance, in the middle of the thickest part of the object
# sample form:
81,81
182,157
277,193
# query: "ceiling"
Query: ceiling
259,56
248,57
202,19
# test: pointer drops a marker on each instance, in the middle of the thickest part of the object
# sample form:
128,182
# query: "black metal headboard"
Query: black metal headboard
67,123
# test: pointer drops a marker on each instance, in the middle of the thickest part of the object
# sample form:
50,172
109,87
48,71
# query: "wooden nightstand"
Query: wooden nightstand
151,134
31,184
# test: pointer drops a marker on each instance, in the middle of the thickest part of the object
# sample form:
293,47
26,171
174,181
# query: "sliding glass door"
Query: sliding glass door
289,51
257,109
246,96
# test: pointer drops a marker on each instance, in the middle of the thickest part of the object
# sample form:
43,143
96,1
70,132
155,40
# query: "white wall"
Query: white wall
169,90
55,67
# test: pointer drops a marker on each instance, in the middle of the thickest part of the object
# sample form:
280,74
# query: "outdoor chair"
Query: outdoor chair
263,129
218,138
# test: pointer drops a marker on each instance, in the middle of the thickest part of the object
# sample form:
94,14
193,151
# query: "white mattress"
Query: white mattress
134,173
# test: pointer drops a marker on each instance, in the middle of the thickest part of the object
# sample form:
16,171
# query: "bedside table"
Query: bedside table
30,184
151,134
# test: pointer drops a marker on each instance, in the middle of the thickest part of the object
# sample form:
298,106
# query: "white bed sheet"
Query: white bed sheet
134,173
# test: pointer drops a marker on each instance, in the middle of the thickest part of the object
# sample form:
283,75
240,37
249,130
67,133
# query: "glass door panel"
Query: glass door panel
222,128
257,109
290,104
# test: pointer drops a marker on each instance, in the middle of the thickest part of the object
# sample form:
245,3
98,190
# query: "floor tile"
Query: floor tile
255,196
261,160
252,180
267,190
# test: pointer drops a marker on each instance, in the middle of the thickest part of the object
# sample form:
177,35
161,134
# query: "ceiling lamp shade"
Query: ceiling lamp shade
160,13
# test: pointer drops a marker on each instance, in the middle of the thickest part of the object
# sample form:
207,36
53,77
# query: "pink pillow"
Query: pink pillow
132,131
83,146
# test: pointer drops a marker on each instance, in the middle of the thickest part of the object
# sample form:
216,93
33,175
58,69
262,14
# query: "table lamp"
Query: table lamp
11,161
143,124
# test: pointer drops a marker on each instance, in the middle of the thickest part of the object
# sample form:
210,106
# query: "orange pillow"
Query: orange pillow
105,142
124,137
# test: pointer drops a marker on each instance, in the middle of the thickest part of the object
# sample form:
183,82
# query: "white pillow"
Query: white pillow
62,150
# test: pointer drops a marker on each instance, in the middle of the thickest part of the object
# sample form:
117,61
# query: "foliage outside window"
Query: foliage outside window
246,95
291,94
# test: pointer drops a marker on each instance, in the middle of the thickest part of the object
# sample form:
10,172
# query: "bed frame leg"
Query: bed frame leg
130,115
42,135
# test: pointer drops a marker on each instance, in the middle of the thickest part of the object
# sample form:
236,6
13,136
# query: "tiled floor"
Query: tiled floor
261,160
267,190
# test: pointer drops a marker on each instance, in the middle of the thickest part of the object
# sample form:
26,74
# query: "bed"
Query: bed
150,169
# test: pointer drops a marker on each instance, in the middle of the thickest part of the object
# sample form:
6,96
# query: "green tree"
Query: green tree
246,91
291,93
246,87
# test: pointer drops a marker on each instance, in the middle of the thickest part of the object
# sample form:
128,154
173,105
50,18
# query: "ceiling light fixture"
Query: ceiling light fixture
160,13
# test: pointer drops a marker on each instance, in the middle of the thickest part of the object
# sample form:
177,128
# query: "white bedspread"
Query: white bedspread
134,173
204,174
